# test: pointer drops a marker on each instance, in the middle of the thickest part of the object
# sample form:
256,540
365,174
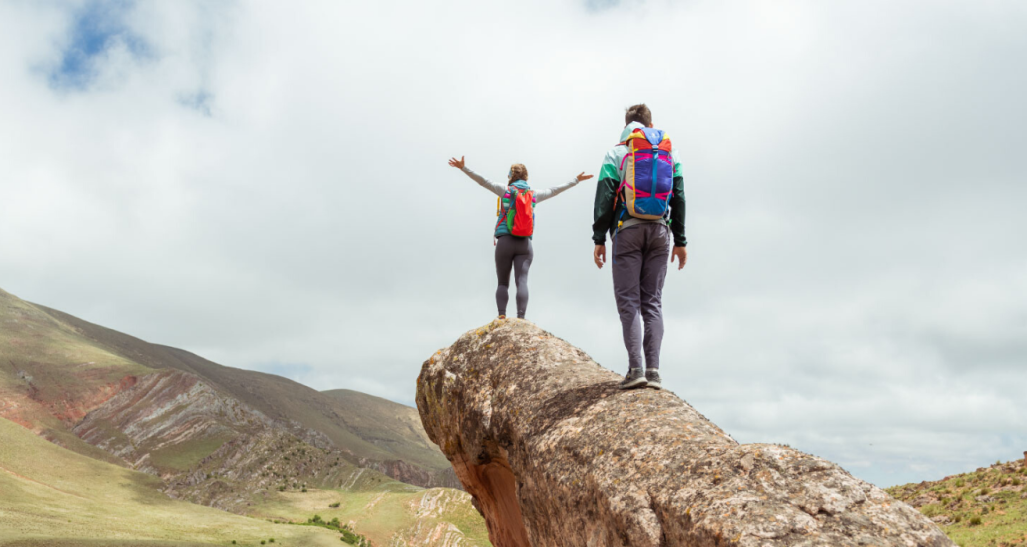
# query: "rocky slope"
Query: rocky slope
173,414
56,369
397,428
983,508
555,455
210,448
377,440
50,377
52,497
152,424
227,438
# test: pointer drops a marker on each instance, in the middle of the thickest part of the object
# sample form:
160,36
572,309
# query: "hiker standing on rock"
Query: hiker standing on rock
515,224
640,201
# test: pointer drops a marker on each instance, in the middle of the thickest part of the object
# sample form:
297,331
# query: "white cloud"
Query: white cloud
270,187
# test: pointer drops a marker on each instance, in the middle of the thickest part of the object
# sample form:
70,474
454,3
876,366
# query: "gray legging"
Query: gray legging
516,252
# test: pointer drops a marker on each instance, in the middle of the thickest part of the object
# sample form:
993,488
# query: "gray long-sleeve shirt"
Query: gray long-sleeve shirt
500,189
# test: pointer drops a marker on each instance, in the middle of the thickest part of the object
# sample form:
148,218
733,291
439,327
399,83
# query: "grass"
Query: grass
50,374
56,366
367,426
184,455
56,356
390,425
997,519
384,514
346,533
97,543
52,496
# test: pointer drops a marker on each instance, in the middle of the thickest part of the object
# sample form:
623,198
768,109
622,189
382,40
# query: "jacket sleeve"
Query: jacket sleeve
606,190
497,189
542,195
677,213
677,204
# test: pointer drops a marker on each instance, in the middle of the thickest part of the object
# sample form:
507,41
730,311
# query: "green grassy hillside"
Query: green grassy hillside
278,398
391,426
50,373
235,440
986,508
57,367
52,496
388,514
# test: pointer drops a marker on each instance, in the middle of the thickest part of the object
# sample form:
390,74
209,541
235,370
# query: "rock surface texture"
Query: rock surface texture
555,455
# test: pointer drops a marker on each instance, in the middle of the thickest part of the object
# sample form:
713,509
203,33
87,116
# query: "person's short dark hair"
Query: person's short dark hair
638,113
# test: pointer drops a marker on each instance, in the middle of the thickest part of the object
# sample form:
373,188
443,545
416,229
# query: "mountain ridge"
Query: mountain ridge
57,369
277,397
246,442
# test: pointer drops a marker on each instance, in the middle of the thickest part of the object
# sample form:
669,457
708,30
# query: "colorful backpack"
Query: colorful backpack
516,212
648,174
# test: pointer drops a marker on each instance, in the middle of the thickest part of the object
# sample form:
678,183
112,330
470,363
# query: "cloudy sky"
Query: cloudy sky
265,184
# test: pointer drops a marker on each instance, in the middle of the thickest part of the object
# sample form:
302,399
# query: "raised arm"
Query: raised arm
497,189
542,195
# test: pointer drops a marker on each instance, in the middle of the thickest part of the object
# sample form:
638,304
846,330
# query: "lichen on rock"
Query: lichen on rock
555,455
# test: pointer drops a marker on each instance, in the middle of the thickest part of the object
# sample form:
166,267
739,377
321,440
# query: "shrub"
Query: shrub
334,522
334,505
233,542
304,490
272,540
262,542
984,491
960,483
957,519
975,521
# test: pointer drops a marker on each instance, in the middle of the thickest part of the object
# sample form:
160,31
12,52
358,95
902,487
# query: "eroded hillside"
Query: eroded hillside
213,435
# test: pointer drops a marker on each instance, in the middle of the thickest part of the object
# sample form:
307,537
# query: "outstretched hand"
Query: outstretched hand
583,176
458,163
681,253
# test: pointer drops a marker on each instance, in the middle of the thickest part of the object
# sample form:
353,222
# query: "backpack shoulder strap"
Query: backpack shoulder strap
503,211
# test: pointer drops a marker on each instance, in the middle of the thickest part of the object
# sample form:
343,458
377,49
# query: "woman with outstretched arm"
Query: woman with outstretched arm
513,240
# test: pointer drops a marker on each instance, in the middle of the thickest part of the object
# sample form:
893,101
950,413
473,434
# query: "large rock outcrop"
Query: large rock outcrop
555,455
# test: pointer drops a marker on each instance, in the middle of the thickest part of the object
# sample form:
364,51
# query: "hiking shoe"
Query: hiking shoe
634,378
652,378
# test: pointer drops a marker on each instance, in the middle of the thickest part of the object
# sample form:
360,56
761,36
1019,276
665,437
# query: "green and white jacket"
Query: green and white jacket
610,177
